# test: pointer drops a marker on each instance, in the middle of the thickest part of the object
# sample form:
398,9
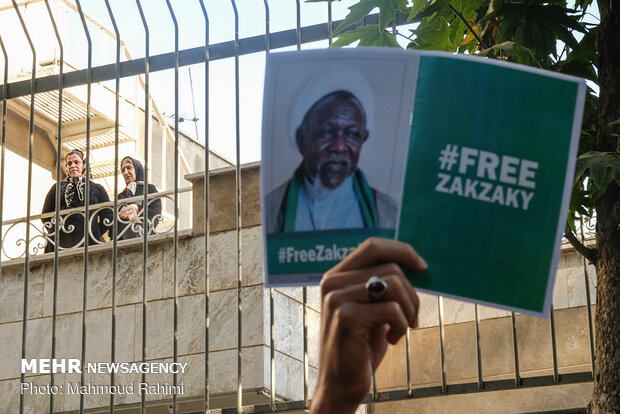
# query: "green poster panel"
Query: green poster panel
301,258
485,190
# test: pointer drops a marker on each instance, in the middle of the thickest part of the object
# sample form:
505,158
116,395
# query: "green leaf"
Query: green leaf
616,122
428,9
520,54
580,202
416,7
356,13
584,4
433,34
586,48
387,12
578,68
571,223
537,25
369,35
457,30
602,167
582,59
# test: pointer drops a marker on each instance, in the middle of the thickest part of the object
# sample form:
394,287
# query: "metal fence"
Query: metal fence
141,69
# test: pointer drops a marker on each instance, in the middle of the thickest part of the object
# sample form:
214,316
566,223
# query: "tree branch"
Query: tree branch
590,254
471,29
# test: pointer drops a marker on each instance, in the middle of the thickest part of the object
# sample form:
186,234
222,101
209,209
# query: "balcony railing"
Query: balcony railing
42,226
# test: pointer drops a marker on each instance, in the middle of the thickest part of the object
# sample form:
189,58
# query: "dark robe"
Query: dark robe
153,210
75,237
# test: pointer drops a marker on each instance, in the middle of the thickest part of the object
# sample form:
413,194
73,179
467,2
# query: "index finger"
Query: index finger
376,251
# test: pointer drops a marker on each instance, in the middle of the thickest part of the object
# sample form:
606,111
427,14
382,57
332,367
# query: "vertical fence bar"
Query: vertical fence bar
145,226
272,333
191,88
554,351
304,289
408,336
330,29
117,69
272,355
306,368
238,223
394,28
3,137
57,196
588,300
478,349
206,402
145,204
515,348
87,196
298,24
176,201
147,123
442,347
28,195
408,356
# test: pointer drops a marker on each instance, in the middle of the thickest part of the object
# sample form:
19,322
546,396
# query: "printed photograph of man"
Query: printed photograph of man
335,137
328,190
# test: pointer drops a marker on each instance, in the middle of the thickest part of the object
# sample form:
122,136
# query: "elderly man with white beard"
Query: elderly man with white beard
327,190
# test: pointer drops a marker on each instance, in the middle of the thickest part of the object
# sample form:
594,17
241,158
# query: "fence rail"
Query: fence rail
13,230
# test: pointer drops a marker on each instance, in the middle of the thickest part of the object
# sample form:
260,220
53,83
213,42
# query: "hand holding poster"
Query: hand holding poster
470,161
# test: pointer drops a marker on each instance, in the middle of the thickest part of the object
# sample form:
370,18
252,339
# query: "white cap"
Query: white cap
339,78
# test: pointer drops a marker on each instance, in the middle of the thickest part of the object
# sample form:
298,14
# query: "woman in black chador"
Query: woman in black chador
131,215
71,233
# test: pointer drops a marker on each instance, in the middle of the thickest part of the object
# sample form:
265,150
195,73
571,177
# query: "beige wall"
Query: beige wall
159,327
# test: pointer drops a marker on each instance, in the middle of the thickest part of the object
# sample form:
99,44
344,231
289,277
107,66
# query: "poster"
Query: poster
366,163
477,155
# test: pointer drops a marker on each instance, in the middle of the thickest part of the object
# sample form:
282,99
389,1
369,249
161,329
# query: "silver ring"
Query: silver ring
376,288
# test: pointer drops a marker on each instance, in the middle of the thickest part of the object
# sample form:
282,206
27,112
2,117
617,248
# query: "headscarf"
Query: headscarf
139,170
74,191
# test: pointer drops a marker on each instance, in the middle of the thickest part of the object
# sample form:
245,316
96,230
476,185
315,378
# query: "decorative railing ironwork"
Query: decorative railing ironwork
42,226
587,226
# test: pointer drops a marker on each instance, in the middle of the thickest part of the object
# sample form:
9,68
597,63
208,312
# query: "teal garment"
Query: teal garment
363,193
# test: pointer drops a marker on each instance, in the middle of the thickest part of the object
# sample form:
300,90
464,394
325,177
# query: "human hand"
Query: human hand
354,330
128,212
